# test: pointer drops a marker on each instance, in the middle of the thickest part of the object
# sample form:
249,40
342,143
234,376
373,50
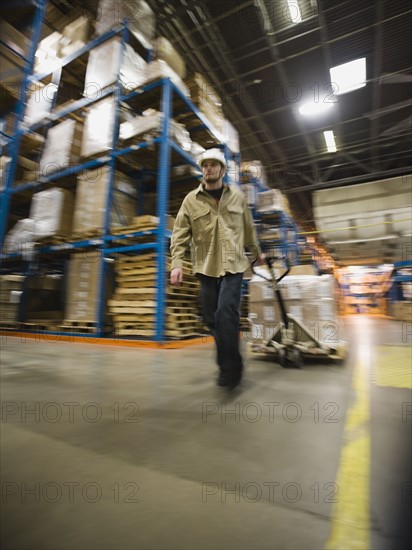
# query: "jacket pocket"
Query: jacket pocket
201,224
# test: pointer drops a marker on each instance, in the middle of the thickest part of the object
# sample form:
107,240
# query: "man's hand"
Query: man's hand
176,276
261,259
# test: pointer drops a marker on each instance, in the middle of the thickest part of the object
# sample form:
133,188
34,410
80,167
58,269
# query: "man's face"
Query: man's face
212,171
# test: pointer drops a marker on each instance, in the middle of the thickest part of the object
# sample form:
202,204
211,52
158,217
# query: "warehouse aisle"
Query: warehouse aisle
108,447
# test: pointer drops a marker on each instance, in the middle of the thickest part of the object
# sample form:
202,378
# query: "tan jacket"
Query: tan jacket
218,233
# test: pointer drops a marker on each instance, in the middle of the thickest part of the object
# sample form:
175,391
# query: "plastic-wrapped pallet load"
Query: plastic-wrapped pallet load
91,197
62,147
21,237
98,128
308,298
4,166
140,18
102,68
52,212
40,103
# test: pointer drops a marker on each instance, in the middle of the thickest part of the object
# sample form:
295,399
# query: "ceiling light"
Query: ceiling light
294,11
312,108
349,76
330,141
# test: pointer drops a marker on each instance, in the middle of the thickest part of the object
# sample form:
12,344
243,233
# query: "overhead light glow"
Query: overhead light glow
311,108
330,141
294,10
349,76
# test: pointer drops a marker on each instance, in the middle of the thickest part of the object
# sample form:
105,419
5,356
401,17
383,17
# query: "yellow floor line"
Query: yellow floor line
350,525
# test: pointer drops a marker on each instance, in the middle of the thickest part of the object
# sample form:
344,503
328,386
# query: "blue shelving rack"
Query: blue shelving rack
13,142
171,98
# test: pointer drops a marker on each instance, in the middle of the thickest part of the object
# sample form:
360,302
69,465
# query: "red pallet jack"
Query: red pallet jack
292,342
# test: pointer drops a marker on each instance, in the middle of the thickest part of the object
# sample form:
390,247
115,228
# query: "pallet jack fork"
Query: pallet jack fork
291,340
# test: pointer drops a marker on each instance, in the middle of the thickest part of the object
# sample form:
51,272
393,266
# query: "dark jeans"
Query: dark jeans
220,301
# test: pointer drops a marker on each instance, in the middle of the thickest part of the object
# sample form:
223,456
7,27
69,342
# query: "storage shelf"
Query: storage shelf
156,155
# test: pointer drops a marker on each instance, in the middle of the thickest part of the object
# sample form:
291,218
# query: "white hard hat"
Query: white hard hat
212,154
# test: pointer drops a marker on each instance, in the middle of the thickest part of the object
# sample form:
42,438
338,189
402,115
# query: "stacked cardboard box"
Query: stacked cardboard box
91,200
401,310
164,50
75,35
308,298
62,147
52,212
207,100
11,64
159,69
11,288
83,287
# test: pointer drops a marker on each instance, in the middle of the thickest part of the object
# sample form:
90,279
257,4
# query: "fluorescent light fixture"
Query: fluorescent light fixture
349,76
294,10
311,108
330,141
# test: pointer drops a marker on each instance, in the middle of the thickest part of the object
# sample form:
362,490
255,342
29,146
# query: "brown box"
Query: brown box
164,50
91,199
401,311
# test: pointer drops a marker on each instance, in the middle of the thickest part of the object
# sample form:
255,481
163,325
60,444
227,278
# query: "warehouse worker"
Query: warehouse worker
215,221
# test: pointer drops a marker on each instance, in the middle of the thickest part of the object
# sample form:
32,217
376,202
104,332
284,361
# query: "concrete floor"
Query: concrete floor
119,448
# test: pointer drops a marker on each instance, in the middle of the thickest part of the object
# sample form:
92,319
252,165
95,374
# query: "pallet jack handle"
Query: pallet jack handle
276,289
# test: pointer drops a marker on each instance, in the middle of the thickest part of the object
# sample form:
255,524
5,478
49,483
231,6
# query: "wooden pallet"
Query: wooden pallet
84,327
88,234
52,239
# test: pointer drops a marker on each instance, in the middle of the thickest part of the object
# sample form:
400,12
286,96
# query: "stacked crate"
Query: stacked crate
134,304
11,287
208,102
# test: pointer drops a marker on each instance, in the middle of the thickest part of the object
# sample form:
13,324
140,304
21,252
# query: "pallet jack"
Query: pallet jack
291,341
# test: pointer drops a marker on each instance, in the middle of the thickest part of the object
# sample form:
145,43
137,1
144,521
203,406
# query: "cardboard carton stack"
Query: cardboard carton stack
308,298
91,200
165,51
82,294
207,100
401,310
11,289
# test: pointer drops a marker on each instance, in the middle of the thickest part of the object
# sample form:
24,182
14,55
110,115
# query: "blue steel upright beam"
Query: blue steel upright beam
101,302
21,107
162,204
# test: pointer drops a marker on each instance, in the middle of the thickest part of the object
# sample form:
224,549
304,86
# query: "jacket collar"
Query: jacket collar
201,188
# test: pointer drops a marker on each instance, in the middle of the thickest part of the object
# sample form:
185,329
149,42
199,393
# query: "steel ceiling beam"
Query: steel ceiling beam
376,95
